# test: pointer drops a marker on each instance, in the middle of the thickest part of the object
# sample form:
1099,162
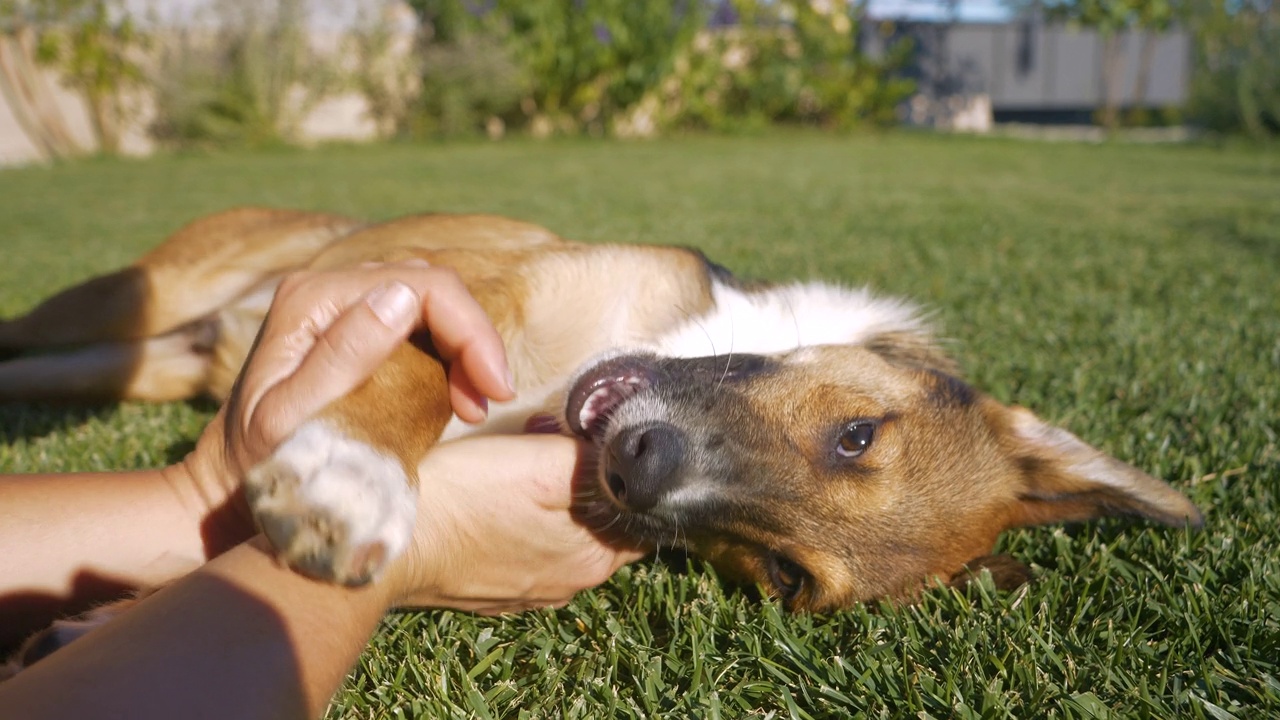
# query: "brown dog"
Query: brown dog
809,438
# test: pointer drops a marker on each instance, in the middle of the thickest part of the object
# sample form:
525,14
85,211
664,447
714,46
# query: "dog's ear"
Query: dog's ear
1061,478
1006,572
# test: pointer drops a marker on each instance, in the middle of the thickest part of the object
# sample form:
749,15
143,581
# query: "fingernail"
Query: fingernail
511,381
417,262
395,304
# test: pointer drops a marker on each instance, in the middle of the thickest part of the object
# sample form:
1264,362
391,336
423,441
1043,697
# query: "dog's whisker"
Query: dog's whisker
711,341
728,361
607,526
725,373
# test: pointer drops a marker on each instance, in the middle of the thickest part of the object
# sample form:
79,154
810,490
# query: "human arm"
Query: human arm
245,637
73,539
242,636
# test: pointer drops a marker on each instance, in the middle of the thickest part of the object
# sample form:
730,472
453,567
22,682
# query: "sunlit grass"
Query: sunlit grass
1129,293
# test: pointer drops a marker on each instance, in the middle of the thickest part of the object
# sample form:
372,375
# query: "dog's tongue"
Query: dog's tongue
602,389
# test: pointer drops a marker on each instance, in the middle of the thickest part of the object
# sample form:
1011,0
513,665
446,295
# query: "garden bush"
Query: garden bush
645,66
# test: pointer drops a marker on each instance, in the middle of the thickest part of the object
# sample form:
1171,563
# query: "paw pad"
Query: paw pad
334,508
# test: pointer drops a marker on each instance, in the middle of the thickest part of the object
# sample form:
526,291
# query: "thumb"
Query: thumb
347,352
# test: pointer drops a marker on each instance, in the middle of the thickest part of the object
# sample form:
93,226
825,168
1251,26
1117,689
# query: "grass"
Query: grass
1130,293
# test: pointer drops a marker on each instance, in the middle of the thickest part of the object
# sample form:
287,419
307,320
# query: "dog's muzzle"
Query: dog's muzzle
652,418
640,462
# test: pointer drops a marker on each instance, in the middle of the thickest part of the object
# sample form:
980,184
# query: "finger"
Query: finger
287,335
463,333
345,354
553,462
307,304
469,403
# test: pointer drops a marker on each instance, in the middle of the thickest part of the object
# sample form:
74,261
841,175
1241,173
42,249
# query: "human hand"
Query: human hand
326,333
495,531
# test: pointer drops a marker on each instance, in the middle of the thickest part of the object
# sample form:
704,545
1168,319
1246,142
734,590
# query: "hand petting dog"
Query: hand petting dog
496,534
244,633
325,334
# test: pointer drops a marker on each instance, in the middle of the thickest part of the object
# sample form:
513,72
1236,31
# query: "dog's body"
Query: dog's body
809,438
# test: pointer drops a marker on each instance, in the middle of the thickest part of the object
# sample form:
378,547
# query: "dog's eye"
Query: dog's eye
787,576
855,439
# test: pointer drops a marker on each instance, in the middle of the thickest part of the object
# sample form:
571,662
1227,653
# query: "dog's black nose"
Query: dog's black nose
644,464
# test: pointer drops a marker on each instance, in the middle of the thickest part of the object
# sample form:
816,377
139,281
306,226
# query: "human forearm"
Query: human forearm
75,539
241,637
126,526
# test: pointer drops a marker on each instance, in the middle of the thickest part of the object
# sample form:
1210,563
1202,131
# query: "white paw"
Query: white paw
334,508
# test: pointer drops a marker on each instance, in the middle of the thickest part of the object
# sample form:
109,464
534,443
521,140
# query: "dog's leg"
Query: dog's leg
106,308
195,272
339,497
169,367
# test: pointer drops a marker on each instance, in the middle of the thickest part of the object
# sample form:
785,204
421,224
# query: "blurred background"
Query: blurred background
129,76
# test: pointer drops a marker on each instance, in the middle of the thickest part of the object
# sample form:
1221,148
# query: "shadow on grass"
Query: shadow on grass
28,421
34,420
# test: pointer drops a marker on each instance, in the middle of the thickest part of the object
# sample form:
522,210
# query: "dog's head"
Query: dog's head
836,474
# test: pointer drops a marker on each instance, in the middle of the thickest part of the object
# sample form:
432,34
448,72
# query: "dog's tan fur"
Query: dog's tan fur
949,469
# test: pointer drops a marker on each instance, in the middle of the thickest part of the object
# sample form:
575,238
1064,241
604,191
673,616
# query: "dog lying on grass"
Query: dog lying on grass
811,439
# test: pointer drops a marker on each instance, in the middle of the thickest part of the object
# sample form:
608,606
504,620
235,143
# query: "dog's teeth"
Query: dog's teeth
604,399
597,403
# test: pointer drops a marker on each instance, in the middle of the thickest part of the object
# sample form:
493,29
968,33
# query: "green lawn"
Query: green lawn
1131,293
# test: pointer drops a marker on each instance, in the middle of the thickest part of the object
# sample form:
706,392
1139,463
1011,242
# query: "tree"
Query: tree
1237,82
1153,17
1111,19
94,45
22,85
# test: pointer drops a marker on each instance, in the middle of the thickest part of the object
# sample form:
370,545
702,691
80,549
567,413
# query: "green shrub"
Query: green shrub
578,62
594,59
94,45
1237,82
788,61
468,84
381,67
248,83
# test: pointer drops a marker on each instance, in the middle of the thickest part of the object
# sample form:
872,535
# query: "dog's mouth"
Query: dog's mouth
601,390
590,412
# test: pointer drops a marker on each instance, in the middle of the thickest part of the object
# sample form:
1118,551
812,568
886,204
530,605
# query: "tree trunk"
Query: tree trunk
11,89
1112,79
24,90
1145,57
103,120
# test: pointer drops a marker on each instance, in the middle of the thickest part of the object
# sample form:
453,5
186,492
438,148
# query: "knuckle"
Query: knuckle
335,349
294,282
446,276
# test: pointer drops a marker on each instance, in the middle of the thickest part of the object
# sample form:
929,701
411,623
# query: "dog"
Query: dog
814,440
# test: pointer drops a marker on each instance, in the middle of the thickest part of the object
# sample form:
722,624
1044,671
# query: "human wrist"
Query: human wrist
210,496
378,597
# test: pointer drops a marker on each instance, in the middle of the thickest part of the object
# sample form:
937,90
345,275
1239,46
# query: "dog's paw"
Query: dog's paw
334,508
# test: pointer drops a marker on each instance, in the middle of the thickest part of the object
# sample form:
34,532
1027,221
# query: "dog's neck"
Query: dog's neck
765,321
781,318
